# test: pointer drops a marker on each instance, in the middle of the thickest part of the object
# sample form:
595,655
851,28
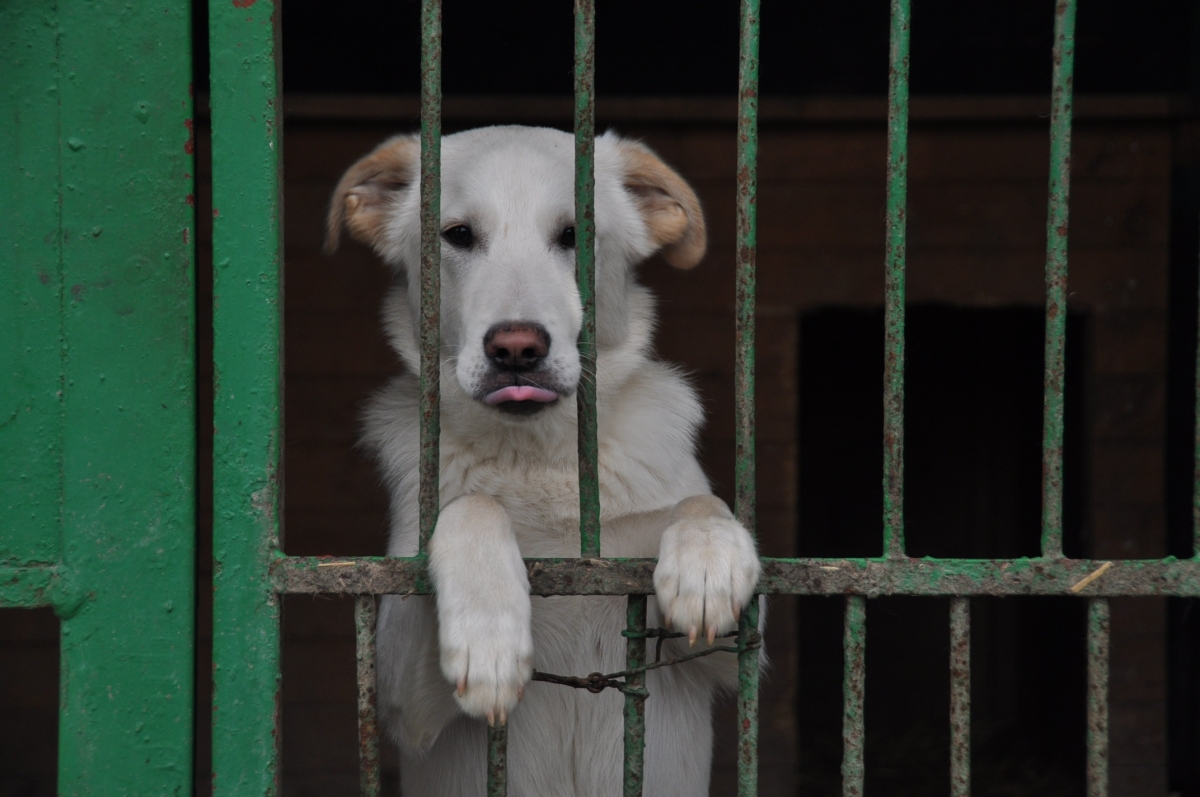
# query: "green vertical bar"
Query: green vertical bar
854,646
248,400
1056,277
635,704
893,302
585,274
1097,701
1196,457
960,697
744,482
431,262
97,422
365,614
497,760
32,354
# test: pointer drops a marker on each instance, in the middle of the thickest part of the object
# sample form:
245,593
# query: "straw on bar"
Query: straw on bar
1056,277
585,262
894,265
960,697
1097,697
431,257
368,730
635,704
744,479
854,646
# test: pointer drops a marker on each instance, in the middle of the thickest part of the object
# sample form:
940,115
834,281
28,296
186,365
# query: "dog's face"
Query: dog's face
510,309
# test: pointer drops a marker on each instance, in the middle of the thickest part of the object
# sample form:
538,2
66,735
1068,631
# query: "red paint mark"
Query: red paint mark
216,213
243,3
185,236
43,277
187,176
189,146
191,200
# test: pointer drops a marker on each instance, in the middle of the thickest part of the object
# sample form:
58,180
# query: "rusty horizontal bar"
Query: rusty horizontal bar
868,577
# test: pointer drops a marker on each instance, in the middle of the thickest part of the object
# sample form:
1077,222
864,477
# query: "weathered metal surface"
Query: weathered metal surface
585,274
97,396
1056,276
497,760
894,268
1196,458
42,585
745,496
854,688
960,697
749,658
635,704
1097,697
368,725
867,577
248,404
747,247
32,287
431,264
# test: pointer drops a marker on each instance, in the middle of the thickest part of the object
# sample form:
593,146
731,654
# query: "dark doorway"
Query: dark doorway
973,432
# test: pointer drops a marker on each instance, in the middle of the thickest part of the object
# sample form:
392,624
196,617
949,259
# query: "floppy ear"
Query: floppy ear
363,196
669,207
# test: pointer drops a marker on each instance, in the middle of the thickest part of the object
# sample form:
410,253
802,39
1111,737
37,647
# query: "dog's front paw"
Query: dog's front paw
484,633
487,653
707,569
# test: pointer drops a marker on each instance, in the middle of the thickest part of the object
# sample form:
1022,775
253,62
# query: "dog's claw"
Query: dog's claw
520,693
491,718
503,717
692,637
712,634
461,686
737,611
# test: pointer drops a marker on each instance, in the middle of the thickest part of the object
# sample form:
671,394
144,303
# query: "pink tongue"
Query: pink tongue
519,393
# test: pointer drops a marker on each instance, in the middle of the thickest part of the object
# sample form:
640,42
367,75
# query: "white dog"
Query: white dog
510,316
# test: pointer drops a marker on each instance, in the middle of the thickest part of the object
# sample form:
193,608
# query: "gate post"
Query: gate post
97,375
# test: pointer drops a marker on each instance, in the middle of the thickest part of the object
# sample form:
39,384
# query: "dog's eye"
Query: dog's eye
566,238
460,235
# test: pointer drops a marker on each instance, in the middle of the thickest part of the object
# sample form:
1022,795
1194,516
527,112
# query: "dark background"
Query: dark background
690,48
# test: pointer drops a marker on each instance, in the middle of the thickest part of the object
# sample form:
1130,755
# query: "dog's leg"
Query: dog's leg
483,606
707,568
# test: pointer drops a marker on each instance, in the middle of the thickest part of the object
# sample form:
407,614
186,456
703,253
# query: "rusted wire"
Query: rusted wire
598,682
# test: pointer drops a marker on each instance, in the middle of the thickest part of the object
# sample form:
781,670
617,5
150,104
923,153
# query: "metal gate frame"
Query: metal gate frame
253,571
101,304
97,392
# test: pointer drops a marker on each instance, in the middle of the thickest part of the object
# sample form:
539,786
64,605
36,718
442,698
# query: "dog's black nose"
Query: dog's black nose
516,345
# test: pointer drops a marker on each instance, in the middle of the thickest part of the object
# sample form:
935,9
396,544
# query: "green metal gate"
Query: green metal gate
99,305
97,374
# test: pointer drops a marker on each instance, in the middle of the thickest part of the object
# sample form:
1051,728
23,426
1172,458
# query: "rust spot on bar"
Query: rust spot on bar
243,3
189,146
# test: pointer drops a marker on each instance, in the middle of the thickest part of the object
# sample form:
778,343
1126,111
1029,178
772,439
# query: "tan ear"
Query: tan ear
363,196
669,207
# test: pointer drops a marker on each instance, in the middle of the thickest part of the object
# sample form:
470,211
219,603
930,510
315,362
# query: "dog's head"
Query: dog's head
510,309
